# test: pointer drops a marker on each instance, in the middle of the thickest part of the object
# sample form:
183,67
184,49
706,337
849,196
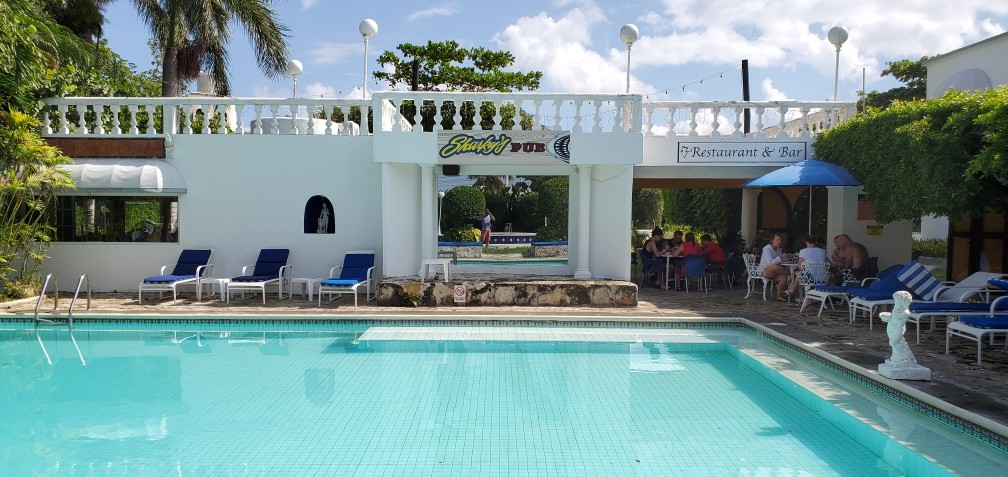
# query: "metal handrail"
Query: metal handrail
83,278
45,286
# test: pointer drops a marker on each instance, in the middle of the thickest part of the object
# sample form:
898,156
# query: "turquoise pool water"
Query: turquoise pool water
373,399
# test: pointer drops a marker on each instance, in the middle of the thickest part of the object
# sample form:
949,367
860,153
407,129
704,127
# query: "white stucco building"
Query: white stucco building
252,178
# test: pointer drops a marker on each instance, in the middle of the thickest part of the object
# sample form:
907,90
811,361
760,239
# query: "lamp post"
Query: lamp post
294,68
837,36
629,34
368,29
440,198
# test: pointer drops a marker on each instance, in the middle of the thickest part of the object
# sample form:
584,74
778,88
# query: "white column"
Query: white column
427,211
749,205
584,211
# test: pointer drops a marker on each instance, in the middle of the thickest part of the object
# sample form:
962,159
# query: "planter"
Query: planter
462,249
549,249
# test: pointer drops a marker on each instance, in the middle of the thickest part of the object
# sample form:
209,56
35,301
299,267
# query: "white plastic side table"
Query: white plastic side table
222,284
444,263
306,285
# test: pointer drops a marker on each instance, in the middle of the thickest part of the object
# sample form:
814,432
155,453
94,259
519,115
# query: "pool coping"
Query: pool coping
980,427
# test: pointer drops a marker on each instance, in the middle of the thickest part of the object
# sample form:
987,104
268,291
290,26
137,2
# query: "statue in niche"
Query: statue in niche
323,220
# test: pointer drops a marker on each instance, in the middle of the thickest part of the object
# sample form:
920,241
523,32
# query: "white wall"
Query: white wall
987,56
400,186
610,221
892,247
246,193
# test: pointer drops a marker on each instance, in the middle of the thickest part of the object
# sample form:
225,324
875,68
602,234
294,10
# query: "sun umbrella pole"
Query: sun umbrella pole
810,210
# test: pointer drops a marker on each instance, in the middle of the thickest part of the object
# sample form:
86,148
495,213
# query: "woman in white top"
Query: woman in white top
770,265
811,253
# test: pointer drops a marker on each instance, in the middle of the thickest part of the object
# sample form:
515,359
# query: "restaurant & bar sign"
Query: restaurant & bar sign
760,152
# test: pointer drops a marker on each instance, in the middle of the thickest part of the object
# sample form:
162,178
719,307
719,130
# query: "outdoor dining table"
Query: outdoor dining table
672,265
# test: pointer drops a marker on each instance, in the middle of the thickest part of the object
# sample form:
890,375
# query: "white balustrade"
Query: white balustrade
434,111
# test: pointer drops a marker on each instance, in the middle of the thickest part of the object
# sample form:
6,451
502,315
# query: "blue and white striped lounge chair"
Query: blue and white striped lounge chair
193,267
951,299
356,271
913,277
270,268
827,293
974,325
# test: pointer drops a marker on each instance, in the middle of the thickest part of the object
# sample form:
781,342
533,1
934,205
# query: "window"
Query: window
115,219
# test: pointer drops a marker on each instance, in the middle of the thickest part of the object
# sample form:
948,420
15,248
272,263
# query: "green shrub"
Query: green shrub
462,233
647,206
553,200
526,215
551,233
462,205
637,239
931,247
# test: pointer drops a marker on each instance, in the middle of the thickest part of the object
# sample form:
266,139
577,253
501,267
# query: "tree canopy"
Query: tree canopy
194,35
942,156
445,66
911,73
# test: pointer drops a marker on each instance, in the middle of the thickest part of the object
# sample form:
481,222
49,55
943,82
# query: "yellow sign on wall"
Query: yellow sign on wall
874,229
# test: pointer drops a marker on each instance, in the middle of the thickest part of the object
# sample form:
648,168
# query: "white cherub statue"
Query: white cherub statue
901,354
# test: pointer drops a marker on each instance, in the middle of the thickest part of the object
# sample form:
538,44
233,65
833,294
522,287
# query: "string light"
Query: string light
719,74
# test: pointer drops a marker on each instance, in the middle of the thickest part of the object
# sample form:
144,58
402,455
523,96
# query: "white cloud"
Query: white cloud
330,53
445,10
306,4
267,91
561,49
317,90
770,93
784,33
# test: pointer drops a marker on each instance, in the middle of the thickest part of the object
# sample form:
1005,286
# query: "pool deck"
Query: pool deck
956,378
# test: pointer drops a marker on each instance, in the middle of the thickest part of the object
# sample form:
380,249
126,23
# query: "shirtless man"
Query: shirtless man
849,254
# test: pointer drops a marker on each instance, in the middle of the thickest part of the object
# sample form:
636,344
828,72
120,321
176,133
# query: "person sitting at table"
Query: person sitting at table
656,245
811,253
850,255
677,239
715,255
770,264
689,246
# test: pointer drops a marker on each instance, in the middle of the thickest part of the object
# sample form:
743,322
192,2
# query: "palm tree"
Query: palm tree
193,35
488,183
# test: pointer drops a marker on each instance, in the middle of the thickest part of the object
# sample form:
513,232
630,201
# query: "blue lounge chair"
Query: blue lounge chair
827,293
949,301
974,325
913,277
356,271
270,268
193,267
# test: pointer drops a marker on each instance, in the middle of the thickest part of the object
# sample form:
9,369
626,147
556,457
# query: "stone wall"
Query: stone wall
601,293
464,250
549,250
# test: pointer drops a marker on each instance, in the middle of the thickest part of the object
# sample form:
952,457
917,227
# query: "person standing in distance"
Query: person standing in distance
487,219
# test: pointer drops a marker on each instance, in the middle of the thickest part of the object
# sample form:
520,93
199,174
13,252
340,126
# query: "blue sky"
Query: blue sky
576,43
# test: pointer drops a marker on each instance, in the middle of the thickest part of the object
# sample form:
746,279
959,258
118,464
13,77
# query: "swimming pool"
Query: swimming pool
267,397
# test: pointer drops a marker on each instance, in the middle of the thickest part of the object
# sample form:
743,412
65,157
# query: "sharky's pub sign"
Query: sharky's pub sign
503,147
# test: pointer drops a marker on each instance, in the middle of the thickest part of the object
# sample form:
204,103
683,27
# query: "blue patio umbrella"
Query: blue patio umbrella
810,172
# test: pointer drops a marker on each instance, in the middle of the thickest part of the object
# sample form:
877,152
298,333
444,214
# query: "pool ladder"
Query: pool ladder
85,279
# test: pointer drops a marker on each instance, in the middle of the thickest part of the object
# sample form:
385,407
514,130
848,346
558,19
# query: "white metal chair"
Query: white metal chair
755,274
812,274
